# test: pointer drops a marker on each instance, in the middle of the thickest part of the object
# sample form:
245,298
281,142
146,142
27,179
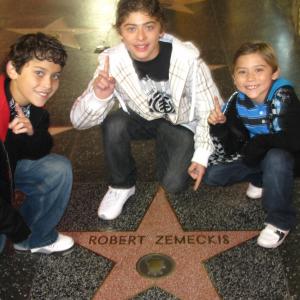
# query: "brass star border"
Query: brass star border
160,232
180,5
59,29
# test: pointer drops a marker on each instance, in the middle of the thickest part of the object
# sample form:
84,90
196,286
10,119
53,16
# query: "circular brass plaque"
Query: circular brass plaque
155,265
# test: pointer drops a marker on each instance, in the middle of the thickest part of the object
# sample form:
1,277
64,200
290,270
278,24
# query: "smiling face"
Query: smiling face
36,82
253,76
140,34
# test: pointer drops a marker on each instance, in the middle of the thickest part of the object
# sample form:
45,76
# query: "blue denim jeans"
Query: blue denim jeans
47,184
174,149
276,174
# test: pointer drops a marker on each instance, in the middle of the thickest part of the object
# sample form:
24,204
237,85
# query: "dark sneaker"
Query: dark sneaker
271,236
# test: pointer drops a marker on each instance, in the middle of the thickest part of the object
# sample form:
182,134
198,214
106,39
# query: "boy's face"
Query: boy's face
253,76
37,82
140,33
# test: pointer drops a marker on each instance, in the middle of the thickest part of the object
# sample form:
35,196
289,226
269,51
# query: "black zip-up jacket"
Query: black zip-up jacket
16,147
234,136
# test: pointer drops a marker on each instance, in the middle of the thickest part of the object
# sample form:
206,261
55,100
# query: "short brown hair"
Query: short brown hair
262,48
150,7
35,46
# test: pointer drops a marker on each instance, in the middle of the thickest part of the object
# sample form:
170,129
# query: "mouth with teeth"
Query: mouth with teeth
251,87
44,95
141,48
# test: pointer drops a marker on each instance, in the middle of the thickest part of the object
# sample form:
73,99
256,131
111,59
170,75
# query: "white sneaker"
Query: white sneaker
271,236
254,192
112,203
62,243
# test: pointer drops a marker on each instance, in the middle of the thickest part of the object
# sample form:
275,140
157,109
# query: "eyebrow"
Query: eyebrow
253,66
134,24
45,69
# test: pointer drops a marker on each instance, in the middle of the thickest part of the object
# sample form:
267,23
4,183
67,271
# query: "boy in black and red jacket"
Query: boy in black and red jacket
33,67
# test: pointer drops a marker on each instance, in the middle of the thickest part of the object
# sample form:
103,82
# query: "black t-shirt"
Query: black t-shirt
158,68
154,79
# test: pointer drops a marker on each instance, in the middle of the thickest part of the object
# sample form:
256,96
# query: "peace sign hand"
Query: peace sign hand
21,124
104,84
216,116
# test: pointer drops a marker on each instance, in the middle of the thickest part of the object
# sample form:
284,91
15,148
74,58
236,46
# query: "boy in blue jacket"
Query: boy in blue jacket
259,131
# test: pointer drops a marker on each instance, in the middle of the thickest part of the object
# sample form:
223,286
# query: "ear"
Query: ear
11,70
276,74
161,34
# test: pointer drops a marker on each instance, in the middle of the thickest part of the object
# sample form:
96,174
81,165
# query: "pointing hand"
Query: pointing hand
216,116
104,84
20,124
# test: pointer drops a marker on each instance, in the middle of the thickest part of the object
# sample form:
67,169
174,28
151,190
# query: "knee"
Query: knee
59,168
173,184
278,159
211,177
114,125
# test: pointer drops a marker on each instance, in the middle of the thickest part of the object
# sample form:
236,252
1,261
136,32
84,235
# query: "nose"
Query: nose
250,76
140,34
47,82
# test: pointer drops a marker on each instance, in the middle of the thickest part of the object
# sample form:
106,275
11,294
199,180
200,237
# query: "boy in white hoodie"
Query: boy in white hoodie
165,91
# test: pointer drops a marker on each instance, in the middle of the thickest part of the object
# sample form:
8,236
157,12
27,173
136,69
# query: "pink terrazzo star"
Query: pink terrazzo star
160,232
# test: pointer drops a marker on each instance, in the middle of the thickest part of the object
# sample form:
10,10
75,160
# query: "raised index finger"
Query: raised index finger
217,105
106,65
19,110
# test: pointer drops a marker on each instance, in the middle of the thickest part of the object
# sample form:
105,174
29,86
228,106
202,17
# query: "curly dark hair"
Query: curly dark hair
35,46
150,7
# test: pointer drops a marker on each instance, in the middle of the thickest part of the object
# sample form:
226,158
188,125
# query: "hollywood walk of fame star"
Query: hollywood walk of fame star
160,232
59,29
216,67
180,5
54,130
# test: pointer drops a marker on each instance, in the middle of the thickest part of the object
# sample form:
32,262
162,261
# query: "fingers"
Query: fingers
217,105
104,84
13,123
106,65
216,116
197,182
17,126
19,111
104,80
192,171
196,171
20,124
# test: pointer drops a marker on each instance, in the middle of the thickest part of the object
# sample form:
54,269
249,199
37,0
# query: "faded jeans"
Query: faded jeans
174,149
47,184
